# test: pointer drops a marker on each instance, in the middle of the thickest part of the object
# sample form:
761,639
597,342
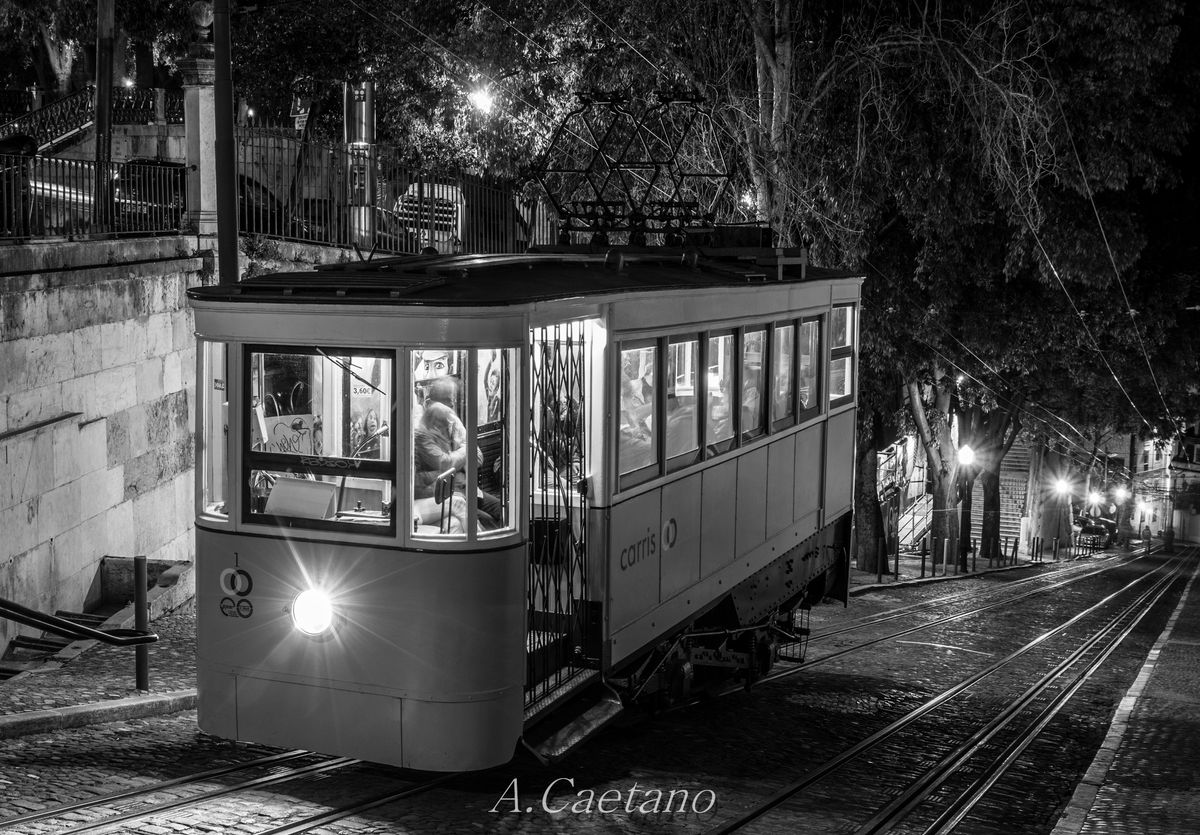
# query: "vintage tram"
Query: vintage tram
443,498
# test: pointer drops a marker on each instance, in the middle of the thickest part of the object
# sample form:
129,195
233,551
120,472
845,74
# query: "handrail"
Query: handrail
70,629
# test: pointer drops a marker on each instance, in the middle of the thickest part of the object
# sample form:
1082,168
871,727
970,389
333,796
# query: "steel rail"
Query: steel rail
341,813
969,799
159,808
59,811
920,789
1074,570
806,665
908,719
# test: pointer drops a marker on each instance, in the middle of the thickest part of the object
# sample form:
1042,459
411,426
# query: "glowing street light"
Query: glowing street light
1062,487
482,100
1121,493
966,455
1094,498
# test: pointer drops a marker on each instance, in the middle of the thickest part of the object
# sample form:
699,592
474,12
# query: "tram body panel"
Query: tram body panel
839,463
354,324
659,311
403,662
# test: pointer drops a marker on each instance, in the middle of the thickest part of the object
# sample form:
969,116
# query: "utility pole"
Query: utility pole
102,118
225,155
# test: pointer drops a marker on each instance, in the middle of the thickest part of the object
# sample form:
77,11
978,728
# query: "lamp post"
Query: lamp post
1062,489
966,458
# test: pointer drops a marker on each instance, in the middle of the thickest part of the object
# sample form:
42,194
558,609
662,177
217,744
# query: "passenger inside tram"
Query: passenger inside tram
440,451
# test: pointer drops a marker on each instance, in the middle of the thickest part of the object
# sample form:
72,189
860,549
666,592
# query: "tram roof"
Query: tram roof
538,275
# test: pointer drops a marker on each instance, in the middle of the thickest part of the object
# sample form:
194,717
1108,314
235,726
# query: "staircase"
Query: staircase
1014,477
25,652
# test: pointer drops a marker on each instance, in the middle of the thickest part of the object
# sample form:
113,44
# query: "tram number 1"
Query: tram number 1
236,585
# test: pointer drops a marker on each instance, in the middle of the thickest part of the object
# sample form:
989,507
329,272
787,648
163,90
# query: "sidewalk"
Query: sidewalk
89,682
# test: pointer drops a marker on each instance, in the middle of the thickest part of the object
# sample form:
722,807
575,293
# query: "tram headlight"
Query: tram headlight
312,612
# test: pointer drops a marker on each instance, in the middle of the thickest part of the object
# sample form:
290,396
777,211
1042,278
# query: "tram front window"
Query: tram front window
319,445
214,428
462,436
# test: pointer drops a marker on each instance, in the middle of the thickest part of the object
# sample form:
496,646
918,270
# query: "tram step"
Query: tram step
579,727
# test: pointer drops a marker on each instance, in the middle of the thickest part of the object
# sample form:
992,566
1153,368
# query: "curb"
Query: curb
77,716
855,591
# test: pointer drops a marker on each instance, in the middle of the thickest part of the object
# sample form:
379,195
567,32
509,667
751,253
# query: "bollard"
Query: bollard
896,573
1054,548
924,545
1015,553
933,557
878,560
974,555
141,622
946,556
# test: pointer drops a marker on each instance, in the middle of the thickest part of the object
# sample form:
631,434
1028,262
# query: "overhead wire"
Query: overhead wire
1100,225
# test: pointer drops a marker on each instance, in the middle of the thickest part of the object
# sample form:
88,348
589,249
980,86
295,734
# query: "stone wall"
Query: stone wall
97,398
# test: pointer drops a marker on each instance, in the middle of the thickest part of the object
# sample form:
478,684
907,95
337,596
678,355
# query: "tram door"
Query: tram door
557,566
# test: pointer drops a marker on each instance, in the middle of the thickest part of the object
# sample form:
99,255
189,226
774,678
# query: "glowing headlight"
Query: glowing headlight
312,612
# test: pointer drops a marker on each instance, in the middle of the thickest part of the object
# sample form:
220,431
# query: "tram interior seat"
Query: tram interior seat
448,507
301,497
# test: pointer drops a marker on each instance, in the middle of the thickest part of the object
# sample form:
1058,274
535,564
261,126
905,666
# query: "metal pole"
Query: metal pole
225,156
102,117
896,573
141,622
924,546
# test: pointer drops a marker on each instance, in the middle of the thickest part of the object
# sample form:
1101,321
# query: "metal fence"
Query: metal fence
366,198
44,197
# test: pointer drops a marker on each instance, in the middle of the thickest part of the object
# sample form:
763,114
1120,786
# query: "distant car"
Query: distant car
1097,526
149,195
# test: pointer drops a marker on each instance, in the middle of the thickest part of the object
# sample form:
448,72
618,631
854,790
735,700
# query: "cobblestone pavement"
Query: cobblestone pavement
727,751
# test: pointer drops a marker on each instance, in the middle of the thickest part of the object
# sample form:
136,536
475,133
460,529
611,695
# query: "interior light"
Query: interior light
312,612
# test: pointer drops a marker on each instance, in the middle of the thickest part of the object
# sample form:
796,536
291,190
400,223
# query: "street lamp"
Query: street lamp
482,100
966,455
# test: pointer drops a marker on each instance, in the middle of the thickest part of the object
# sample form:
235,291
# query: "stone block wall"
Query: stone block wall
97,399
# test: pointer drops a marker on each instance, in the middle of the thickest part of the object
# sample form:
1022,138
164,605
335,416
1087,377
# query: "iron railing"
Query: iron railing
50,197
367,198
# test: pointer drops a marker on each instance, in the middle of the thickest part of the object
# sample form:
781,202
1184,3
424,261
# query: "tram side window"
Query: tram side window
719,393
455,482
841,355
683,437
808,377
637,449
319,446
783,389
214,431
753,375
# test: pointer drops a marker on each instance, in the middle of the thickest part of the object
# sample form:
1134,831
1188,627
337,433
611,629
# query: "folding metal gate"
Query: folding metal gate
557,567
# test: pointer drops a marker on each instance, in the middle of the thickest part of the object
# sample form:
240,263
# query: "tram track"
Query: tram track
993,603
983,756
1071,571
138,804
